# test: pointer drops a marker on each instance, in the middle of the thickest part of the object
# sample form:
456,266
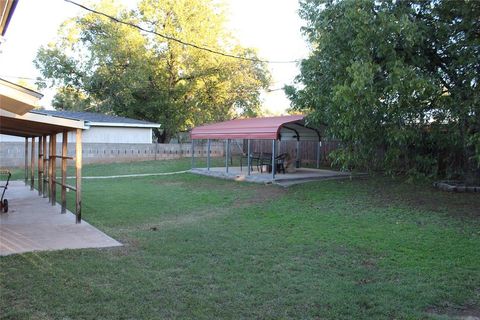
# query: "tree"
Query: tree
396,82
114,68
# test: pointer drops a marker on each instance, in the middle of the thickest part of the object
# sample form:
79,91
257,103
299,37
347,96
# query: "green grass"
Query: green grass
203,248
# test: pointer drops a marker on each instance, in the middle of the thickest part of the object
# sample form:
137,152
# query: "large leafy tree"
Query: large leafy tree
396,81
110,67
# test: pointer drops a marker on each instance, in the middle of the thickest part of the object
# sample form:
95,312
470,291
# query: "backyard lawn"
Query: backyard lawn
202,248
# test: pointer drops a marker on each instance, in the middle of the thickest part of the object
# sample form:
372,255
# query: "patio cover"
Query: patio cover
275,128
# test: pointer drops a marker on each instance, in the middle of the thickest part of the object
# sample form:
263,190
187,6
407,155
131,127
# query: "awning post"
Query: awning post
318,154
53,164
40,165
26,161
45,168
208,155
273,159
78,175
193,153
32,165
227,154
249,157
64,171
50,168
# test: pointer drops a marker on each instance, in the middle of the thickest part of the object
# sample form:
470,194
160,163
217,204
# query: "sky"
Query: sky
271,26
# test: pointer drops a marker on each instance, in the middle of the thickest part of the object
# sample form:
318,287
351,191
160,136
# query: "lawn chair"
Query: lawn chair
254,159
266,160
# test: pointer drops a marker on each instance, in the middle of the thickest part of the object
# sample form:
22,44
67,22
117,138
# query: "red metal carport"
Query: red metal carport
292,127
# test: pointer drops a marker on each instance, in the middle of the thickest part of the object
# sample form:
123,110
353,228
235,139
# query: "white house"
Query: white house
102,128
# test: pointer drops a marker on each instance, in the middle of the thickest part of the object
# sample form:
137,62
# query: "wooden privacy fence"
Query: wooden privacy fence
308,149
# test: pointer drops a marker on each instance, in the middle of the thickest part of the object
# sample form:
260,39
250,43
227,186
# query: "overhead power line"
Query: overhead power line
193,45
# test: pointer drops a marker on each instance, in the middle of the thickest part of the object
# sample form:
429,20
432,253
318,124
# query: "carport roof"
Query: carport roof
290,127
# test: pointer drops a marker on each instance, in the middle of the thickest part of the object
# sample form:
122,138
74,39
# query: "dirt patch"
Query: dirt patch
263,194
463,312
169,183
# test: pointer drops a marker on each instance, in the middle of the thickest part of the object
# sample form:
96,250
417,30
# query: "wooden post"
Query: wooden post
78,174
26,161
45,167
53,165
40,165
64,171
208,155
50,169
32,165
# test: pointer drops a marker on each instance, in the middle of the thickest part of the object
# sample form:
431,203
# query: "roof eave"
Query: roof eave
120,124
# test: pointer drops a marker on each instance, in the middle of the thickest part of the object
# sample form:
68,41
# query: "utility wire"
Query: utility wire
173,38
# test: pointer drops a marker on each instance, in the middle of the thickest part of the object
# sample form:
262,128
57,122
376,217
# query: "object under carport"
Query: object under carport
4,202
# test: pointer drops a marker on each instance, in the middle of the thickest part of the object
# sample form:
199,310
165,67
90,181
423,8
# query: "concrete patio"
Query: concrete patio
301,175
33,224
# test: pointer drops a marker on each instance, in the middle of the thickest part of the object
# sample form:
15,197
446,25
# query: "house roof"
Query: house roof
99,119
279,128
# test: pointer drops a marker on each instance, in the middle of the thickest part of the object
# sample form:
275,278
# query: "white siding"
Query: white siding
102,135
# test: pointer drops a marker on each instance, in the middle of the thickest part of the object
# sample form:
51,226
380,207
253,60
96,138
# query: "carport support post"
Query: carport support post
297,156
273,159
32,165
45,169
249,159
318,154
26,161
193,153
40,165
227,154
78,174
208,155
53,164
64,171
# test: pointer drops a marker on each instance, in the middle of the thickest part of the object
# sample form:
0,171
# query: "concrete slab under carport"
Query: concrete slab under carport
33,224
301,175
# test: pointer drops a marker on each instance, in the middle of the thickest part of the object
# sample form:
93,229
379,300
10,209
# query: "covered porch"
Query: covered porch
33,224
30,222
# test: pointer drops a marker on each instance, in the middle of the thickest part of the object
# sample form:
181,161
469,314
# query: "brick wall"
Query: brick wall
12,154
